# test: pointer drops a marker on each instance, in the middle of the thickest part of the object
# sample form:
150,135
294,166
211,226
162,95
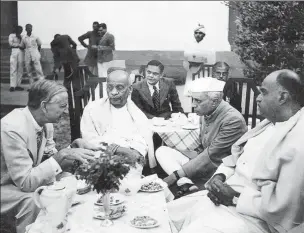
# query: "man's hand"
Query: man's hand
132,155
212,184
79,154
226,194
81,143
220,192
171,179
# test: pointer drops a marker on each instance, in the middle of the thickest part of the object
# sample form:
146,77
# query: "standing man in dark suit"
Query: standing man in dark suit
91,57
154,94
105,49
65,49
66,54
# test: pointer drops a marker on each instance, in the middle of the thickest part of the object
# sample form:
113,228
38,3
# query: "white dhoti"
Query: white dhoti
169,159
16,67
103,69
32,60
196,213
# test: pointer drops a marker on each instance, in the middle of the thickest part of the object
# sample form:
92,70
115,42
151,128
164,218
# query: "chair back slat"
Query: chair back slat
79,99
247,102
248,91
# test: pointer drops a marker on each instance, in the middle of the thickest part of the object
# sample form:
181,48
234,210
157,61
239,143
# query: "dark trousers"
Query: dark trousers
71,76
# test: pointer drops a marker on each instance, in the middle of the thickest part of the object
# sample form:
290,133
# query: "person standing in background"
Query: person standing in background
56,57
16,59
195,55
32,46
91,57
105,49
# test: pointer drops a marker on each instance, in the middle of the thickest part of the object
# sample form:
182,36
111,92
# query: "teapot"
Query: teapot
55,200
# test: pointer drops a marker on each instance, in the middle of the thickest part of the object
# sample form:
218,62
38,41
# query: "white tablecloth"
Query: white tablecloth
152,204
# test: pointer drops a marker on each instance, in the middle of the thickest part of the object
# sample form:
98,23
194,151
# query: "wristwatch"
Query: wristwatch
176,175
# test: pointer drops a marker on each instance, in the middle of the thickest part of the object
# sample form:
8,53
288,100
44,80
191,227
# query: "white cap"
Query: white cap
200,28
206,84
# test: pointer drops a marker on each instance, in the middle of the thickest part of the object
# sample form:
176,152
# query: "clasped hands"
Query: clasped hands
220,192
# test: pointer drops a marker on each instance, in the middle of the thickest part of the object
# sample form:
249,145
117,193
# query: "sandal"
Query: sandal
185,189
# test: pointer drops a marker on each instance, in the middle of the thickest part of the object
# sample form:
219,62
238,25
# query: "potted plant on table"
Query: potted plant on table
105,175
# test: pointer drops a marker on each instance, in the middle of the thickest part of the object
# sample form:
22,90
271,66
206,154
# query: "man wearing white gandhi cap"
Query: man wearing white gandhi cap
196,53
220,126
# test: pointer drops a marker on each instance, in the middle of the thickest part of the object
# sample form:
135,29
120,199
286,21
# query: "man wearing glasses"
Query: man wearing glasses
154,94
220,71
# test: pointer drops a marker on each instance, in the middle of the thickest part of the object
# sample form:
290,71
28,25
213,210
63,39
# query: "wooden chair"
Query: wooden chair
138,78
248,91
79,99
206,71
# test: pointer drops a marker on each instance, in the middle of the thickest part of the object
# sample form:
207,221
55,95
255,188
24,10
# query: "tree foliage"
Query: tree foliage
270,36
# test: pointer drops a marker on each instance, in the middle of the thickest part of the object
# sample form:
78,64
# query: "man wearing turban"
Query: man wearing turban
195,55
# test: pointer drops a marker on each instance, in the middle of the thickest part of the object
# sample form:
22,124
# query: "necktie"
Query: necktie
155,98
39,139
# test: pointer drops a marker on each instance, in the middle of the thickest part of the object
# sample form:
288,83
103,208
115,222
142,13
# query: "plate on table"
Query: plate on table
144,222
151,187
115,213
190,126
115,199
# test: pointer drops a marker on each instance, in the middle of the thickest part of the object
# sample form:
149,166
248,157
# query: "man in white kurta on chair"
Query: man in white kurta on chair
259,187
118,122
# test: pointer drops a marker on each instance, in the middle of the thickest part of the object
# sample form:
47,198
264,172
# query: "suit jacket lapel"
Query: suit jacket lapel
103,39
163,91
146,93
42,146
32,142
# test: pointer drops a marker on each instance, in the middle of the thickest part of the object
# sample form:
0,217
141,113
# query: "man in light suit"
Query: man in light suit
154,94
29,158
105,49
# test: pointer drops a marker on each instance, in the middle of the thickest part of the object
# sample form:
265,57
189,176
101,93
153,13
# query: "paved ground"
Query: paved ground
16,97
13,98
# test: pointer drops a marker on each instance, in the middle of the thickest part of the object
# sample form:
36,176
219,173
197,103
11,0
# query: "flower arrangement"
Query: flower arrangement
106,172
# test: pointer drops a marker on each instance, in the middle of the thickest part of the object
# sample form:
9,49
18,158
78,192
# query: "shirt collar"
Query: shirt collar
26,35
151,86
37,127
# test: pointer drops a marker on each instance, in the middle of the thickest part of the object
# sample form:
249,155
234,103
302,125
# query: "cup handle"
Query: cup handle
37,193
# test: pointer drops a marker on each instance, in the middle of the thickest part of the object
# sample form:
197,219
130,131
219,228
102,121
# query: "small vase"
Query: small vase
107,210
